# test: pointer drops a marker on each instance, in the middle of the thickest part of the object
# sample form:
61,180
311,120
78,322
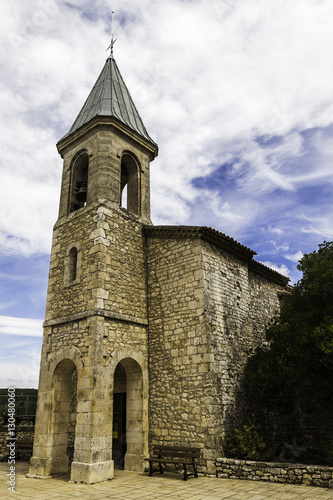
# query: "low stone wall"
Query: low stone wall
311,475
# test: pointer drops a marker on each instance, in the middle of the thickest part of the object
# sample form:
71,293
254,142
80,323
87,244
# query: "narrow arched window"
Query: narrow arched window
72,270
129,196
79,182
72,264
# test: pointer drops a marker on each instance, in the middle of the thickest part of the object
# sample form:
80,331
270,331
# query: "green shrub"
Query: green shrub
247,443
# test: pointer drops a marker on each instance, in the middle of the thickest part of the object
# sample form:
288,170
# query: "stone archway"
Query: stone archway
128,381
64,388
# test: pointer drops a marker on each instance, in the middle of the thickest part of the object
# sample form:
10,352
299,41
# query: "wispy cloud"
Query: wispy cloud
296,257
21,326
19,363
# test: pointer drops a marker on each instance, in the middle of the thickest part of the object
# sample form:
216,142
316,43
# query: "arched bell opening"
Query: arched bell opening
79,182
63,422
127,435
129,184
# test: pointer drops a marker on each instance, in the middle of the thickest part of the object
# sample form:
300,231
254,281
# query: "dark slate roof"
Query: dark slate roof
110,97
219,240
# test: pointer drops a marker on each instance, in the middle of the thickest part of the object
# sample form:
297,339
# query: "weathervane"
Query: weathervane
112,40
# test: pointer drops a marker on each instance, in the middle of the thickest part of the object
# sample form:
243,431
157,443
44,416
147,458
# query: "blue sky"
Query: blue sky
238,95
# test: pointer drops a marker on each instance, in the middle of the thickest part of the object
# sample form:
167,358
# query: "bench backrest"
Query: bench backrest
176,452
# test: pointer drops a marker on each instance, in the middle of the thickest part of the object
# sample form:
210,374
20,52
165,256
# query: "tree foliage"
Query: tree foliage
296,371
247,442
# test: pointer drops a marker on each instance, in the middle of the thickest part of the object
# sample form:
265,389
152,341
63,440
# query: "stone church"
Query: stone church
147,328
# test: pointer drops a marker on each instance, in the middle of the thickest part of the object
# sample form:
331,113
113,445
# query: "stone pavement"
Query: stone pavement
136,486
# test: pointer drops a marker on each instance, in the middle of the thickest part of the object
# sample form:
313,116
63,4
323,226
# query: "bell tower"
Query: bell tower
107,151
93,389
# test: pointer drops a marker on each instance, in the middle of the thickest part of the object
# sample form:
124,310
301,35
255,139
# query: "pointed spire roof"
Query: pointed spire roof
110,97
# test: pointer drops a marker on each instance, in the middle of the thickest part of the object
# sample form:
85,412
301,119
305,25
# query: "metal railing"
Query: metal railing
25,404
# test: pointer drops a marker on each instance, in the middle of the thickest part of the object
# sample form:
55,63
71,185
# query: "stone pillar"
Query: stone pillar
93,440
93,436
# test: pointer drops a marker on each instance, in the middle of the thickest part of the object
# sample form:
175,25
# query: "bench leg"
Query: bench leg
186,474
152,470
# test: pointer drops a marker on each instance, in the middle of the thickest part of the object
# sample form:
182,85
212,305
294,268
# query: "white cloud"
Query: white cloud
21,326
276,230
321,226
284,247
282,269
296,257
224,211
20,354
21,369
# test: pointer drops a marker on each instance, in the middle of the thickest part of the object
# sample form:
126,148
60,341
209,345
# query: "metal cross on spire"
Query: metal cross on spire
112,40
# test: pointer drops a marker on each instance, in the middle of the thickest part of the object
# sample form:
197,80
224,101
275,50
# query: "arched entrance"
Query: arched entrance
64,400
119,417
127,435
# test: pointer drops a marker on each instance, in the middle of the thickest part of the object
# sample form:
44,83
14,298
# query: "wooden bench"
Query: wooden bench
186,457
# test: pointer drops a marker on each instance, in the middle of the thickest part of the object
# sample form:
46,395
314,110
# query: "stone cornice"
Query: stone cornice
125,318
106,123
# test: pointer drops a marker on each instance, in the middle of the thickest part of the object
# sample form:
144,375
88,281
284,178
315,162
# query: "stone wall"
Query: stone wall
239,304
205,316
311,475
179,351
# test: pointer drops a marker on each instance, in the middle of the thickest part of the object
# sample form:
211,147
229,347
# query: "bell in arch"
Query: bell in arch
81,191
